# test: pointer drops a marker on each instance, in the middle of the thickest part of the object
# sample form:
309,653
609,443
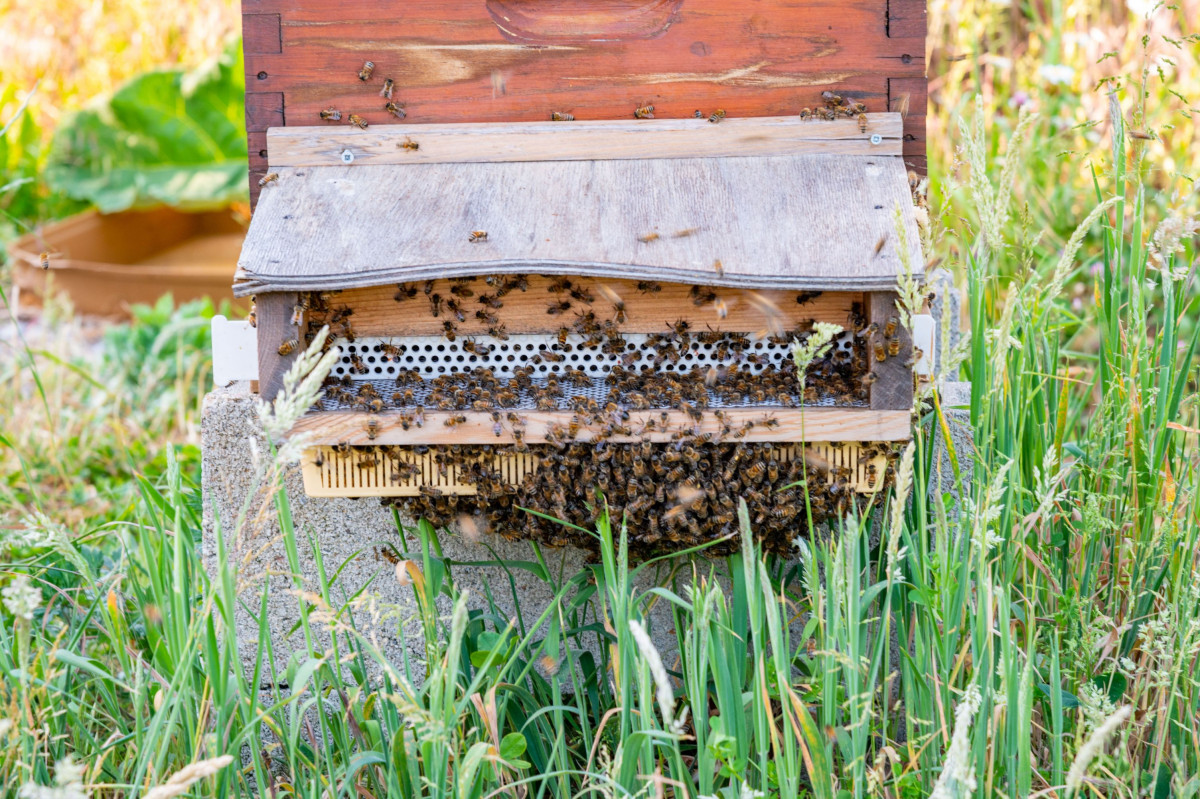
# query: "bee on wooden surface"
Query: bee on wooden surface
428,287
430,491
558,308
702,295
372,429
368,68
894,346
459,289
644,112
396,110
289,346
405,397
319,458
880,351
272,177
299,309
717,116
805,297
491,302
561,116
455,421
832,100
358,122
331,115
454,308
647,238
862,123
648,287
680,327
889,329
805,113
448,330
405,291
412,146
435,304
388,86
477,236
498,331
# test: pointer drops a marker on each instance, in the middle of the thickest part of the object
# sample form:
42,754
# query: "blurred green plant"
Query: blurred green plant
171,137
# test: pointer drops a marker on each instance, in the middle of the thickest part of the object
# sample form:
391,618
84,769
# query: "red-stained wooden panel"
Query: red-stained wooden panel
518,60
262,33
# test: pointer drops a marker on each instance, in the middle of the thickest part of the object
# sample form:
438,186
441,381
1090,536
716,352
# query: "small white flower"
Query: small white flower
68,783
1056,74
21,598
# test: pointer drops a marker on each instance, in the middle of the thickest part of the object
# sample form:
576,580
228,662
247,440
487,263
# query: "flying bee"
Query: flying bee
358,122
397,110
477,236
862,123
889,329
702,296
268,178
455,421
367,70
372,429
289,346
388,86
644,112
683,234
298,310
721,308
648,287
894,346
879,245
719,268
410,145
560,116
717,116
647,238
331,115
405,291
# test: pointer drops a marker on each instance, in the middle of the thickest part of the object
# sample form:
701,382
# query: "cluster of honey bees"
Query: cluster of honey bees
387,93
834,106
680,492
673,495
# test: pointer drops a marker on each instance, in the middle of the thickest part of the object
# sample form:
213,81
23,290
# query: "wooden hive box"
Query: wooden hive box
626,322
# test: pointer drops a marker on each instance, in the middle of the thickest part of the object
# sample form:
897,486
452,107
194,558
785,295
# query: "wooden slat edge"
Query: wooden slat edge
826,424
581,141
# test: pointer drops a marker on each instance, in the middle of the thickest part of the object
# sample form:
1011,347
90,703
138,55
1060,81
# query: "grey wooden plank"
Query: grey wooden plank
274,313
893,386
789,222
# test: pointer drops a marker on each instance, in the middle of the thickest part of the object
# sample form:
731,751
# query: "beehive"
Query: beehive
535,315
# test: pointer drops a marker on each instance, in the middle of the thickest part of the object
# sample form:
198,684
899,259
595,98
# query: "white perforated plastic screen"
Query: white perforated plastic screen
433,356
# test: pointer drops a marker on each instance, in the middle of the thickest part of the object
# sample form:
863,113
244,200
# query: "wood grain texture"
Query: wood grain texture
893,386
780,222
518,60
581,141
377,313
274,312
818,424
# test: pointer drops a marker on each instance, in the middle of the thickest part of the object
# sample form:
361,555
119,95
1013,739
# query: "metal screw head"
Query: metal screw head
348,157
875,139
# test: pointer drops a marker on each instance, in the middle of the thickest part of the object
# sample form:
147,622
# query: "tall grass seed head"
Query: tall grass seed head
21,598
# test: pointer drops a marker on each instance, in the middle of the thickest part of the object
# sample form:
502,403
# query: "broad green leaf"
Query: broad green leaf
169,137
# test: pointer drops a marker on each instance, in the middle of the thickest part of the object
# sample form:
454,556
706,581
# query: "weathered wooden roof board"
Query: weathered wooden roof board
788,221
518,60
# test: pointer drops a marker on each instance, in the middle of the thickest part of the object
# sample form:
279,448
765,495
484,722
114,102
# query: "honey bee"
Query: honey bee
455,421
477,236
558,308
717,116
644,112
702,296
889,329
831,100
298,311
396,110
372,429
558,116
331,115
806,113
388,86
880,351
862,123
430,491
44,258
894,347
368,68
448,330
358,122
289,346
869,379
879,245
722,310
319,458
405,292
683,234
647,238
648,287
475,348
461,290
412,146
805,297
268,178
435,304
551,356
498,331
